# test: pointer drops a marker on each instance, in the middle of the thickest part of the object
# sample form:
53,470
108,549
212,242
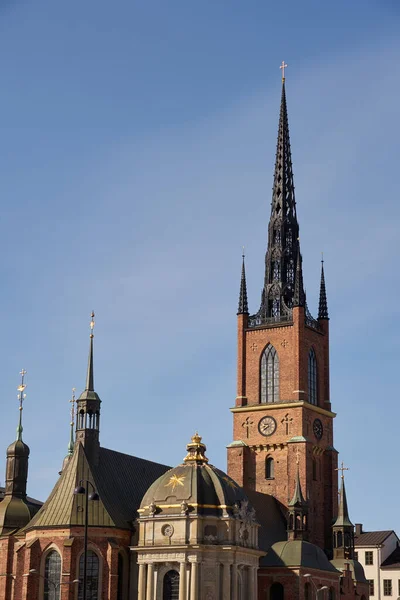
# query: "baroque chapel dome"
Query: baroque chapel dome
195,487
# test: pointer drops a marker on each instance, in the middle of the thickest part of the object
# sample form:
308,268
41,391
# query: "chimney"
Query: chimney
359,528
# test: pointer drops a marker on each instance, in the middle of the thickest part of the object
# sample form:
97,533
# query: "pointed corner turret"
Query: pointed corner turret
343,519
243,308
343,528
88,409
299,297
298,512
323,303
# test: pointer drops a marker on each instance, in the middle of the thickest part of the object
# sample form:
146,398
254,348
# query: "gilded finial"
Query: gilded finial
92,323
283,67
243,252
322,257
21,397
196,450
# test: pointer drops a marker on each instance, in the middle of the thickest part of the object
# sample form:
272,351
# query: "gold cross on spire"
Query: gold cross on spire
283,67
21,388
343,469
297,456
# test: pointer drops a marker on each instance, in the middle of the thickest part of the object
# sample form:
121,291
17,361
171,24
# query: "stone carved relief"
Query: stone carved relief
244,512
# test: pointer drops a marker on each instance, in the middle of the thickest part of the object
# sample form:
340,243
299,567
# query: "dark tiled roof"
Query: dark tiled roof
271,519
121,481
371,538
392,561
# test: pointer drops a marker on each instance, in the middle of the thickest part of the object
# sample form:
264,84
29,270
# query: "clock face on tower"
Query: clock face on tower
267,426
318,429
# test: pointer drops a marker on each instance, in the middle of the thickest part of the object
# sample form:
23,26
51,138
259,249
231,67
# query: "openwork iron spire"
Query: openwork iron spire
283,232
323,303
243,308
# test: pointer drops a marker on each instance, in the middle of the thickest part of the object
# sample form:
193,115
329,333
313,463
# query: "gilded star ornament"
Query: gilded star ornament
230,482
175,481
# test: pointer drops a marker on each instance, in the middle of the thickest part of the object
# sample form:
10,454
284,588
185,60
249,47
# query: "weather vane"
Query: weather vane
283,67
21,397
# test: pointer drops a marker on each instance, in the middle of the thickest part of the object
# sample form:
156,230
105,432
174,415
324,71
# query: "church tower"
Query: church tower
282,419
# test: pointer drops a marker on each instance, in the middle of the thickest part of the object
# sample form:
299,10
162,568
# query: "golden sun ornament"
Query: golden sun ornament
175,481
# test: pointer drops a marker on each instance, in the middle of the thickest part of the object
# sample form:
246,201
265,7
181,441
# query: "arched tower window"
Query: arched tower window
312,377
277,592
269,468
52,576
269,375
171,586
92,585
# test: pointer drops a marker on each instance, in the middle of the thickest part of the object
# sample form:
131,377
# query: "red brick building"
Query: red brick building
282,455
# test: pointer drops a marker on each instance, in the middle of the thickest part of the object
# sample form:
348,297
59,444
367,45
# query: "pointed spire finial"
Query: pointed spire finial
343,519
323,303
243,308
299,297
21,397
283,67
72,423
90,376
298,498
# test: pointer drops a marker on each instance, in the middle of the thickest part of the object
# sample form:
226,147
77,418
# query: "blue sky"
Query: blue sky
137,144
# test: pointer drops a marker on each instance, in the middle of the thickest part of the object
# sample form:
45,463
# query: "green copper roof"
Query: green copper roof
343,519
298,553
356,568
120,480
298,498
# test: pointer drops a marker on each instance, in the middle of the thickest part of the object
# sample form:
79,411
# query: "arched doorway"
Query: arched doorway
276,592
171,586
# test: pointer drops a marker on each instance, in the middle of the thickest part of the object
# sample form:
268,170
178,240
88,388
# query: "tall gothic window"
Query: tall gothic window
92,579
269,375
312,378
52,576
171,586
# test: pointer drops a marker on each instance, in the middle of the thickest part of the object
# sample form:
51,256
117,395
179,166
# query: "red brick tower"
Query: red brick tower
283,413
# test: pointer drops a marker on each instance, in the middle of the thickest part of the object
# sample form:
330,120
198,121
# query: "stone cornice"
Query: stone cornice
278,405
